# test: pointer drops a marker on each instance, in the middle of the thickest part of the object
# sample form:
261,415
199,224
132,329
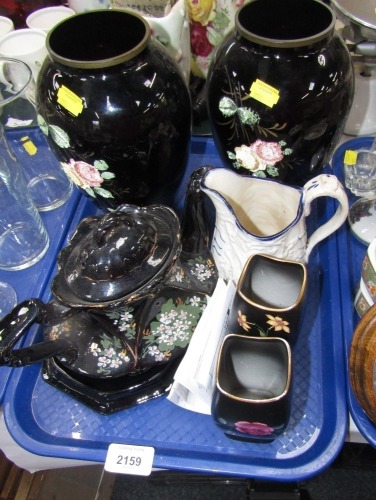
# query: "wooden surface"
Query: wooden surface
362,363
87,483
18,484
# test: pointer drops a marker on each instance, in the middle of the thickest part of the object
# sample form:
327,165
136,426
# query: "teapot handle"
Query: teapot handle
325,185
14,325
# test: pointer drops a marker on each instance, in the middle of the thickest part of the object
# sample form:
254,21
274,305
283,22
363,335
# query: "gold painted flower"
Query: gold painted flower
243,323
278,323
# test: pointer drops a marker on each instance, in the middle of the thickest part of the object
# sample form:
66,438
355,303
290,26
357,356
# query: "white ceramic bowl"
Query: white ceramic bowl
46,19
6,25
26,44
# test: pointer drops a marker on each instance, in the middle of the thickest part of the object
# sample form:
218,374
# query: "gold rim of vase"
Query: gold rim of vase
99,63
285,43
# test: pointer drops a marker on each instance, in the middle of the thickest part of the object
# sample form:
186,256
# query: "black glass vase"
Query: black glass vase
115,108
280,90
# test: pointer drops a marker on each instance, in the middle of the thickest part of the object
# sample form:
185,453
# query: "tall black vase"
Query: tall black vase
280,89
115,108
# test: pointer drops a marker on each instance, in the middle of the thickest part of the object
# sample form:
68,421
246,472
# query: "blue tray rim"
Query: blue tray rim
306,462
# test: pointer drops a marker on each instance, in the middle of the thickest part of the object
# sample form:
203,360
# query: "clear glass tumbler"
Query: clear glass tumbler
23,238
360,178
47,183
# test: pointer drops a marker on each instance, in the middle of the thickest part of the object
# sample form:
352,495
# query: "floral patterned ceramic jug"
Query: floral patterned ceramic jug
209,22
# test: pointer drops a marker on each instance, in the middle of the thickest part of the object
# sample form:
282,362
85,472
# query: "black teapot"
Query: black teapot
130,288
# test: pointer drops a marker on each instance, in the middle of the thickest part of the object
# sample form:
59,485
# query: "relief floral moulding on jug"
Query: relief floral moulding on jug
210,21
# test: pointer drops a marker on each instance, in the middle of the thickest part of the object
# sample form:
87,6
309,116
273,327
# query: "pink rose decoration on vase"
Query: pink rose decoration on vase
268,152
88,174
89,177
259,157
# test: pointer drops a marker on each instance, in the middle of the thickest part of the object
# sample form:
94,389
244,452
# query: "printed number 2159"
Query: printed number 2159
127,460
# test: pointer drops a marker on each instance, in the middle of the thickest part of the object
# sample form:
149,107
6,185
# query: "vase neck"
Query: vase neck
98,39
287,24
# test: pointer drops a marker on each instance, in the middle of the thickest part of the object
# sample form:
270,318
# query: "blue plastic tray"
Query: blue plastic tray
351,253
31,282
48,422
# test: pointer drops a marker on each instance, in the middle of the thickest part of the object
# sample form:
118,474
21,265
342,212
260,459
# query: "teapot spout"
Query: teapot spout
16,324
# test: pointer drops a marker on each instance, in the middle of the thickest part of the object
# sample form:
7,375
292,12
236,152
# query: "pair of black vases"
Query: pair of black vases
116,109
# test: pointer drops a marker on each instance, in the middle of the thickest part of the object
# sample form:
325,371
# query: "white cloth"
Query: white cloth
194,379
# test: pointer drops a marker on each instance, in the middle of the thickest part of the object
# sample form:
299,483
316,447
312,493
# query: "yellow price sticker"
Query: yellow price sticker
264,93
28,145
69,100
350,157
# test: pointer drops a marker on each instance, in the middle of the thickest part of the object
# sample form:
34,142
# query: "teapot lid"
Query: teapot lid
120,254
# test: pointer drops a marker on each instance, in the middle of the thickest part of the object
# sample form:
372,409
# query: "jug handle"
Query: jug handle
14,325
325,185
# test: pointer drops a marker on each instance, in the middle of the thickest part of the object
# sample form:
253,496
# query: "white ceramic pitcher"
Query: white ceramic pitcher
169,26
256,215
